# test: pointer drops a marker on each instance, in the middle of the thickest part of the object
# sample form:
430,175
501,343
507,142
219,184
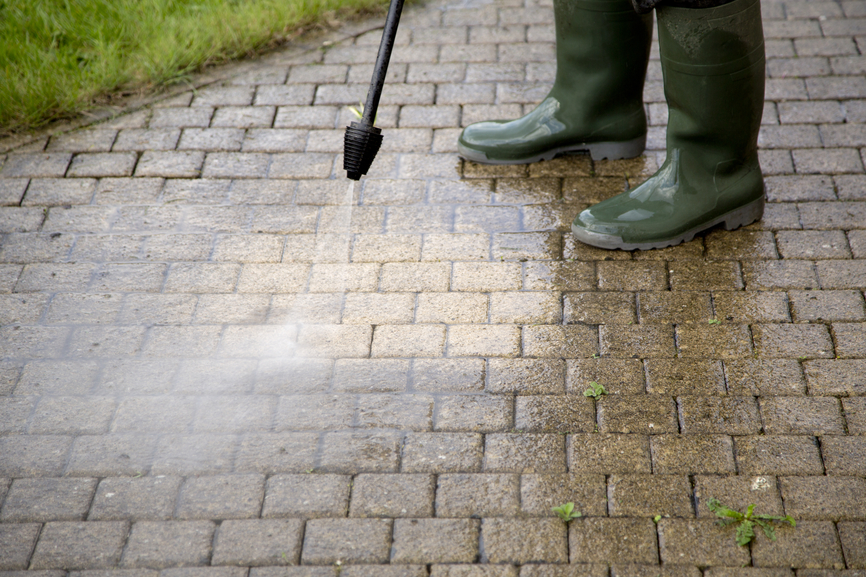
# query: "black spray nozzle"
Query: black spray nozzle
362,140
360,145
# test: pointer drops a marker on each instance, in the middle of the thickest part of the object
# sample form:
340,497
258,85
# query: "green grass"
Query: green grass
60,57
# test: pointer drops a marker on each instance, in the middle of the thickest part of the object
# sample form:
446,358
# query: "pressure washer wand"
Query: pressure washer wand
362,140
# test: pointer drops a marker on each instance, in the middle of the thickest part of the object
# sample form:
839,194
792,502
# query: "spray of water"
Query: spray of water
313,317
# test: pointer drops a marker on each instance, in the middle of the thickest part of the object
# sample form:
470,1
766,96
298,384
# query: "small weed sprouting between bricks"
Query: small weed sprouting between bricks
595,391
566,512
747,521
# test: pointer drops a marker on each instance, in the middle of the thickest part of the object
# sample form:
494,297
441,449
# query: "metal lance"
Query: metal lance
362,140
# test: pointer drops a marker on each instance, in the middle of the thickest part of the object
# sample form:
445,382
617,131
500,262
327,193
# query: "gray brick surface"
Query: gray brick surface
216,357
328,541
258,543
70,545
158,545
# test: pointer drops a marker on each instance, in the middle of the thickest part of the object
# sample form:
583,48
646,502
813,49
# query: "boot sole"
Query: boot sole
733,220
596,150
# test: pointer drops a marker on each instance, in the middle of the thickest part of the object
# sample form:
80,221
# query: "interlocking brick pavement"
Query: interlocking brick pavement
221,360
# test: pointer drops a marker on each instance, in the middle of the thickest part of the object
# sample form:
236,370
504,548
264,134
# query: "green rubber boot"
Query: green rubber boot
596,104
713,64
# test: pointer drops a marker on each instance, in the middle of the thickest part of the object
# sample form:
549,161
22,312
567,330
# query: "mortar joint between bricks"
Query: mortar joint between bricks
817,440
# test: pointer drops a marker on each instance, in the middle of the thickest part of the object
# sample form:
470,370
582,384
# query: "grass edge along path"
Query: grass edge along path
59,58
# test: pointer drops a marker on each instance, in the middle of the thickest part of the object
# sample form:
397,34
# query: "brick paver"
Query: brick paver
217,355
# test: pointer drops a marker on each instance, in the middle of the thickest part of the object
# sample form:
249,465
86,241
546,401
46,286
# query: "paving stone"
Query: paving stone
222,376
609,453
692,454
834,498
293,572
799,188
679,543
91,140
442,452
15,412
672,307
12,191
144,498
202,572
392,496
827,305
452,308
684,377
384,571
636,341
34,455
524,540
855,415
637,414
70,415
370,375
402,412
843,455
16,545
221,497
473,571
646,276
444,375
435,541
850,340
408,341
106,455
841,274
764,377
802,415
812,544
778,455
36,165
258,543
852,535
346,540
474,413
702,276
599,308
649,495
780,275
353,453
752,307
213,454
738,492
477,495
59,192
271,453
802,341
662,571
721,341
539,493
554,413
70,545
593,540
618,376
41,500
158,545
560,342
720,415
526,376
313,412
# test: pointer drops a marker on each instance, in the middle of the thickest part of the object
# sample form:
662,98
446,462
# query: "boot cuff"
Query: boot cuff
644,6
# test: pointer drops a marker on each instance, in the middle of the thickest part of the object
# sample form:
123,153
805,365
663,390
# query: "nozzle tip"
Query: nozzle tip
360,145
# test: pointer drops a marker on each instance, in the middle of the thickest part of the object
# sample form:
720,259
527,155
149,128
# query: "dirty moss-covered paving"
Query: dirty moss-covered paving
221,360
